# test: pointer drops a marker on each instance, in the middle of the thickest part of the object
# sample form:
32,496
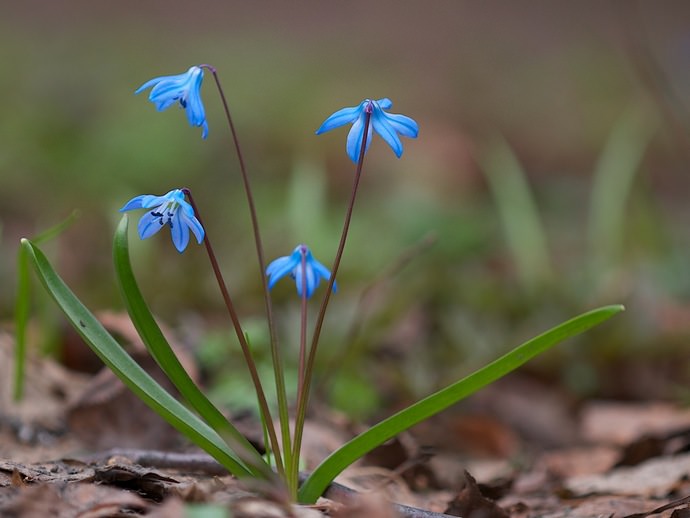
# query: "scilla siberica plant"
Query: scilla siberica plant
204,424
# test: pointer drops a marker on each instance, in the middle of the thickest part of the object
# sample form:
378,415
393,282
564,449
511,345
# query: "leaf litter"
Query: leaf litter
477,460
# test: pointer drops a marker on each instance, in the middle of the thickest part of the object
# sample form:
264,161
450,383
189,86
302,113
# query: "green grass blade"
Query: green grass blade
56,230
21,318
613,179
324,474
518,212
22,302
160,349
122,364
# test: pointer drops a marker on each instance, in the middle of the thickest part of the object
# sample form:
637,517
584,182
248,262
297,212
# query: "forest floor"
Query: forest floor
82,445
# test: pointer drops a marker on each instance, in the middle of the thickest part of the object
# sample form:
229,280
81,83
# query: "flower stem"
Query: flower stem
303,327
278,370
251,365
293,468
303,396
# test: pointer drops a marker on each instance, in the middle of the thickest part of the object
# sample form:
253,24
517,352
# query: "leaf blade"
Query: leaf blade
160,349
122,364
324,474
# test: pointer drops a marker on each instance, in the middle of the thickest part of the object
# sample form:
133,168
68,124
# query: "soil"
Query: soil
81,445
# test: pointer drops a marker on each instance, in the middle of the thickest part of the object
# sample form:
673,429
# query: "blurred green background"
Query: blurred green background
550,175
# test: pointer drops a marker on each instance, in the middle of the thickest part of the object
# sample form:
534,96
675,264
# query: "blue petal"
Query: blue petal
195,107
183,88
298,280
322,271
150,200
177,196
383,128
279,269
385,103
146,201
165,103
149,225
149,84
134,203
300,263
340,118
167,90
354,139
179,232
312,280
195,111
193,224
404,125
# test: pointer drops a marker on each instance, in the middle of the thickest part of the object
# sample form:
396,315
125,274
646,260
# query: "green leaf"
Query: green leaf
22,301
122,364
324,474
56,230
518,211
21,319
160,349
614,176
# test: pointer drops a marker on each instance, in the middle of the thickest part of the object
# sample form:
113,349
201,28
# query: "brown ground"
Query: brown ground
530,453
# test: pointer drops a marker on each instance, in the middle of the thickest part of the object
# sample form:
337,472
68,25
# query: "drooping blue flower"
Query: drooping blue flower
182,88
172,210
388,125
300,262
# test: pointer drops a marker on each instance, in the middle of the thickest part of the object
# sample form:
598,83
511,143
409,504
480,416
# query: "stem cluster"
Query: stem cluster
286,452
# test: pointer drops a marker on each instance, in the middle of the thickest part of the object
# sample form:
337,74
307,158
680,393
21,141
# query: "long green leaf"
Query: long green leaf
21,318
122,364
614,175
22,301
324,474
160,349
518,211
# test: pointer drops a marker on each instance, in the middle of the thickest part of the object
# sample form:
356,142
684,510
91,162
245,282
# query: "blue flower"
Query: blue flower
183,88
388,125
170,209
297,264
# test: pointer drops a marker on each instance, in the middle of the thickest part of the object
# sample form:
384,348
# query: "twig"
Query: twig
203,463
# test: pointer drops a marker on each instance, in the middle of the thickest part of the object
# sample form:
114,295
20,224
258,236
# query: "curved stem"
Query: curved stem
303,328
303,398
249,359
293,473
275,352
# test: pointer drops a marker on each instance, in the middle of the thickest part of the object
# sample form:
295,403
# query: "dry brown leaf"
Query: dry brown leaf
654,478
603,506
387,483
68,500
368,504
578,461
606,422
532,411
470,503
48,389
109,415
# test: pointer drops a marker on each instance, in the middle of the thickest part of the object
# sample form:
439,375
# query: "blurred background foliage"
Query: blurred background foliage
550,175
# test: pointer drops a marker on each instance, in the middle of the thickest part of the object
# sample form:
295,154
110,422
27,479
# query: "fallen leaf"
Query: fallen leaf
606,422
677,513
64,500
654,478
365,504
572,462
470,503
